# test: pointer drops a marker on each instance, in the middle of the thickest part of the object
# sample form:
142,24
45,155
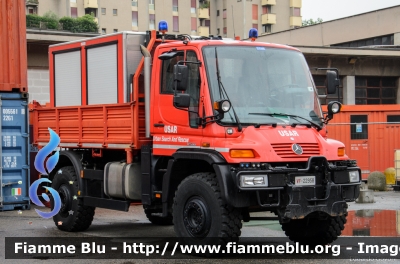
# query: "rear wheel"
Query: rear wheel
316,229
73,215
200,213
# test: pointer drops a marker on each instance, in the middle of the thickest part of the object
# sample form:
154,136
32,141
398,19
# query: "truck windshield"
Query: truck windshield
262,80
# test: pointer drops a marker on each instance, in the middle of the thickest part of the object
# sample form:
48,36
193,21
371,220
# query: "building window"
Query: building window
73,1
393,119
175,5
225,31
267,28
266,9
152,21
255,26
296,12
193,6
103,11
224,13
218,31
134,3
217,12
375,90
152,5
194,24
90,11
207,23
115,30
115,12
175,22
325,98
382,40
254,12
103,31
74,12
359,127
134,18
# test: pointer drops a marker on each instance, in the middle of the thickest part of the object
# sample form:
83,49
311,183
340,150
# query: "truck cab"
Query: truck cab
254,109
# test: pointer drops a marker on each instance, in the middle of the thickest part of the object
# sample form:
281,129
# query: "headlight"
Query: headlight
354,176
253,181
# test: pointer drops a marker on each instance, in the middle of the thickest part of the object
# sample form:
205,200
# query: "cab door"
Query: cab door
175,128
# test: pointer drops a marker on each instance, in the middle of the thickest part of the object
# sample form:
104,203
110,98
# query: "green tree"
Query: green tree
309,22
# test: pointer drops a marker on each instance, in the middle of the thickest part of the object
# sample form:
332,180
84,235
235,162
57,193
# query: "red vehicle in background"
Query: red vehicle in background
204,133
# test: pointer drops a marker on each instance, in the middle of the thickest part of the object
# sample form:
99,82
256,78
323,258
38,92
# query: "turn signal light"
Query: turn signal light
340,152
241,153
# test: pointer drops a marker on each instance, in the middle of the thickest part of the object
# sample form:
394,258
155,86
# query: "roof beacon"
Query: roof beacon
163,28
253,34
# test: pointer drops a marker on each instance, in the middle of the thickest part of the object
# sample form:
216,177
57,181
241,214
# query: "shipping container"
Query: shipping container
371,134
14,175
13,51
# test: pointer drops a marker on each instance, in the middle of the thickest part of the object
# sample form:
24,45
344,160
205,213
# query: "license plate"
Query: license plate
304,180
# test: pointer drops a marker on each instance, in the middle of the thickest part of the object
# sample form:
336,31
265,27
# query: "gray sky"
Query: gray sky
333,9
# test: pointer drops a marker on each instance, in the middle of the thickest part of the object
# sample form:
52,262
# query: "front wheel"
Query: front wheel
199,211
316,229
73,215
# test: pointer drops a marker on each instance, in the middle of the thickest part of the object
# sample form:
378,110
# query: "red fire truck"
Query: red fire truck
202,131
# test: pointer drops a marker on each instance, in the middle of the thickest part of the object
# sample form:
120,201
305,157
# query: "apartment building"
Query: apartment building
227,18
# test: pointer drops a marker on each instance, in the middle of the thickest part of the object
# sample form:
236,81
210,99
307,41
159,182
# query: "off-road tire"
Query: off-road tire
314,230
66,184
199,212
155,219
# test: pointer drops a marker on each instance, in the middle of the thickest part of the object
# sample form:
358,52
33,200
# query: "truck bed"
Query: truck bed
95,126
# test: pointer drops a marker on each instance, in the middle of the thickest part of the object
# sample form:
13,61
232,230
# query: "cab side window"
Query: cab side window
193,88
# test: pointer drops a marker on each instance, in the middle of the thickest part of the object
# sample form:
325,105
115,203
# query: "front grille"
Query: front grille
284,150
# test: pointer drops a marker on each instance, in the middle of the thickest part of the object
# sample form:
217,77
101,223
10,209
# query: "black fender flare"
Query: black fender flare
229,191
68,158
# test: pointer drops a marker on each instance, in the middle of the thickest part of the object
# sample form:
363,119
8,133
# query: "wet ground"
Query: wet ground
379,219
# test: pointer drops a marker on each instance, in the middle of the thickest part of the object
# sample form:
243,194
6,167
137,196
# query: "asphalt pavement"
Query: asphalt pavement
134,224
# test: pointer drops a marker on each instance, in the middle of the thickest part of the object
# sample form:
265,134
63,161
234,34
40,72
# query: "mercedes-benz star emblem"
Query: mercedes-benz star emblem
297,149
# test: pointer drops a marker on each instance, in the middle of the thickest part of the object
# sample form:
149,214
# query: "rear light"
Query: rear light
340,152
241,153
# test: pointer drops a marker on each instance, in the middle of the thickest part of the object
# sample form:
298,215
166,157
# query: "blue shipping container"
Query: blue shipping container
14,173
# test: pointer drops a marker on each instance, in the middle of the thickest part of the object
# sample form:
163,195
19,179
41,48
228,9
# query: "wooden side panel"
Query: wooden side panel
100,126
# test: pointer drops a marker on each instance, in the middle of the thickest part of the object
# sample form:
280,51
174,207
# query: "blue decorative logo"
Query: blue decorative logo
50,164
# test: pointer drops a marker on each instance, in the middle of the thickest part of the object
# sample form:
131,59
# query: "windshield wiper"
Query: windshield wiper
222,89
318,127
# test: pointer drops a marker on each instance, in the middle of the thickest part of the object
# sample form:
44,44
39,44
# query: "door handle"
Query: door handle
159,125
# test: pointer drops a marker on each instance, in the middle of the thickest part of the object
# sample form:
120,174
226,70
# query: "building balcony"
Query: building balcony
295,21
203,31
268,2
268,19
203,13
90,4
31,2
295,3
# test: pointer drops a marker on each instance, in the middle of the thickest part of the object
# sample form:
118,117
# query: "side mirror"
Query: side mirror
333,108
182,100
181,73
332,82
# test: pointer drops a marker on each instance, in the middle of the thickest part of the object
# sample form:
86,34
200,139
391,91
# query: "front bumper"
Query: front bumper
329,194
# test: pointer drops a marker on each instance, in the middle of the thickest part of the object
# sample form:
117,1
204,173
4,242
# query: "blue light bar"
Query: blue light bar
163,26
253,33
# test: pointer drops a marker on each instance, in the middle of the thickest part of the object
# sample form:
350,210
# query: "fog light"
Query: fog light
354,176
258,180
253,181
